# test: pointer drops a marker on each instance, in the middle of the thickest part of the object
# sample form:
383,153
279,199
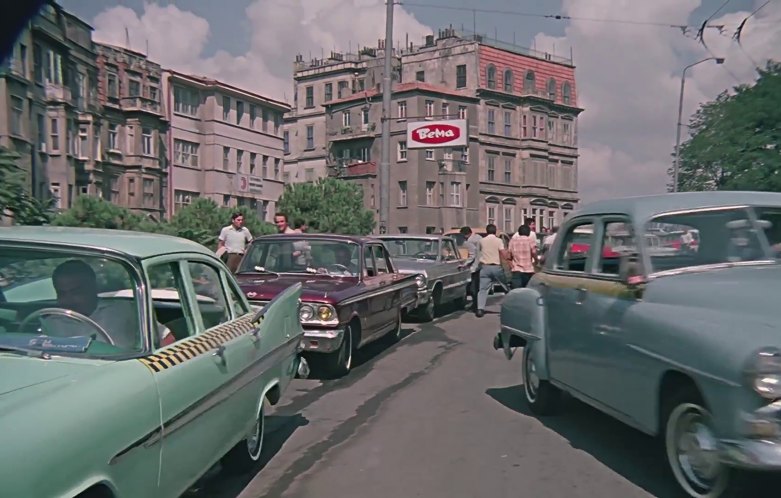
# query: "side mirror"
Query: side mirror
631,270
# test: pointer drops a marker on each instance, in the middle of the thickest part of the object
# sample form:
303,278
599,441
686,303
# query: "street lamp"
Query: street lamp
719,60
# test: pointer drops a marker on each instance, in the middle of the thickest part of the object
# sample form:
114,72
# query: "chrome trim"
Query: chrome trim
683,367
526,335
698,210
751,454
714,266
378,292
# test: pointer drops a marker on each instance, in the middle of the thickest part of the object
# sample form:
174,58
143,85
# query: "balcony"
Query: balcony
449,166
351,132
57,94
140,104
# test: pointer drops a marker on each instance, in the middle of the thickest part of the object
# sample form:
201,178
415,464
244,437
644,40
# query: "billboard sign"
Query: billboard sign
434,134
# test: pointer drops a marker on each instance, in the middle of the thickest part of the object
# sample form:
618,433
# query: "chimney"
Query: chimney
429,40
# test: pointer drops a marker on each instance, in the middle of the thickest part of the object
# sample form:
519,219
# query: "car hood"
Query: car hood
22,372
264,287
752,290
405,265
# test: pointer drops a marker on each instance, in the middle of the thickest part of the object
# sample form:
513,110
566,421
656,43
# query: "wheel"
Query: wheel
242,457
338,363
394,335
691,449
426,313
542,396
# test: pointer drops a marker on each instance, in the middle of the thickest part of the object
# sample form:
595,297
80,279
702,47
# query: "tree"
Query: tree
15,200
94,212
330,205
735,141
202,220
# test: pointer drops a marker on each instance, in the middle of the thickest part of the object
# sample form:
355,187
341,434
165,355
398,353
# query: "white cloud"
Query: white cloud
279,29
628,81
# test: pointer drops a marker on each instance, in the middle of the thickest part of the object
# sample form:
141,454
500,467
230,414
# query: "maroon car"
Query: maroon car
352,294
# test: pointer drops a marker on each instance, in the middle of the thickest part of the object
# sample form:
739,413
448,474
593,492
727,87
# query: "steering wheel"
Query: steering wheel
339,267
73,315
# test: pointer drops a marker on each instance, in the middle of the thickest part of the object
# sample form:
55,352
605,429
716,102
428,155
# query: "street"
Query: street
441,414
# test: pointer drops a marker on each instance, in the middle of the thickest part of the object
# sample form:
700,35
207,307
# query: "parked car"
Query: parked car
352,293
138,355
683,345
441,276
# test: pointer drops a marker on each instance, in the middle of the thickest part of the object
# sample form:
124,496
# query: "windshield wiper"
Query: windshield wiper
35,353
260,269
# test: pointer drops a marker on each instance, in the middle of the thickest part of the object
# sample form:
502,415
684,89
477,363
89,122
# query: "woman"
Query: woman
523,252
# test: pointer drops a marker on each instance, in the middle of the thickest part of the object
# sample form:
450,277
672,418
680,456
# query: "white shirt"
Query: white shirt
235,240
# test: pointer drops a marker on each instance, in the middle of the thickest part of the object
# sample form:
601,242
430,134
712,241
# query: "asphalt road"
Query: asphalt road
441,415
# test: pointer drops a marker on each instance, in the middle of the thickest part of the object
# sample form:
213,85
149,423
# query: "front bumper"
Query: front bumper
423,297
752,454
322,340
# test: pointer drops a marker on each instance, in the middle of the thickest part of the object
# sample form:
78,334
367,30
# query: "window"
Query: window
429,108
551,219
462,112
239,305
239,111
445,110
186,101
41,125
402,229
183,198
491,170
131,187
226,156
508,80
552,89
402,151
490,76
226,108
146,142
264,167
524,128
346,119
508,127
461,76
402,110
364,154
113,137
535,120
365,117
342,88
429,193
253,114
310,137
447,154
309,175
310,96
441,193
329,92
134,88
369,270
54,134
574,252
508,170
54,188
277,122
402,194
380,259
239,160
566,91
455,194
286,142
253,160
507,219
420,76
551,130
491,213
37,63
429,154
149,192
53,68
528,82
210,298
83,143
17,116
277,162
264,120
491,121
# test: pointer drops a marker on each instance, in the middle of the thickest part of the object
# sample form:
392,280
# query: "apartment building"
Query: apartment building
50,113
523,136
316,83
429,188
133,163
225,143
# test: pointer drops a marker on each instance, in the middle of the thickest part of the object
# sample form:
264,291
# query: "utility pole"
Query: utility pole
387,82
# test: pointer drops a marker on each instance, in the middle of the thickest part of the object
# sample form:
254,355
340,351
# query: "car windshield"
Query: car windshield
713,236
67,303
302,255
410,247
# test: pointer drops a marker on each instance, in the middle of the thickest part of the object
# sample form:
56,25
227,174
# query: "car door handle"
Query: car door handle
220,353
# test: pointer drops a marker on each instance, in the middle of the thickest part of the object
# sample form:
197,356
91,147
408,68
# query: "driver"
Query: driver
76,286
342,256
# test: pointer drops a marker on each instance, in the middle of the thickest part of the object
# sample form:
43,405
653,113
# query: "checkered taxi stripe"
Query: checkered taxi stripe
196,346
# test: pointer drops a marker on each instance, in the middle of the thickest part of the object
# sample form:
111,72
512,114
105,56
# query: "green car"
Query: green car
131,363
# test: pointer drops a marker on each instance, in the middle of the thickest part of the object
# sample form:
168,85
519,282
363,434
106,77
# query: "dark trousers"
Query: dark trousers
474,287
521,279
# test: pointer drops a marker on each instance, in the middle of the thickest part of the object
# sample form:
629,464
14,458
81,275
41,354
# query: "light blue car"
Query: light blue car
675,335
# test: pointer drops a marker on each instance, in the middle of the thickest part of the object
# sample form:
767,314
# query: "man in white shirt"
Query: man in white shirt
533,227
76,286
233,240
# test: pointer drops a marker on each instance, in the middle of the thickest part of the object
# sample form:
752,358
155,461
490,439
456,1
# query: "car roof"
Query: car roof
318,236
644,207
136,244
414,236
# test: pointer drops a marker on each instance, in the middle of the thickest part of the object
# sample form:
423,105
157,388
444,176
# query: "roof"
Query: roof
402,88
644,207
135,244
429,236
317,236
212,83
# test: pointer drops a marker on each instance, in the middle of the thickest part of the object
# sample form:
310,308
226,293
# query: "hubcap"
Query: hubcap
531,381
347,348
692,451
255,441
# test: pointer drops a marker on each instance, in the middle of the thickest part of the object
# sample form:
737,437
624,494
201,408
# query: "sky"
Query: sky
628,58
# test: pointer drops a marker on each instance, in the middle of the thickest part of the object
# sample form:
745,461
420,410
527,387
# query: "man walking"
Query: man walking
233,240
472,262
491,271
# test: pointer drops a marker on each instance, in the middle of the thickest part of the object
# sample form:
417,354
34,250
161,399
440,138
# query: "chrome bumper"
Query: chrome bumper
322,340
423,297
752,454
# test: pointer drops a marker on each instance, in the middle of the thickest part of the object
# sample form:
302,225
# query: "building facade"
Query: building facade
50,113
134,165
225,144
317,83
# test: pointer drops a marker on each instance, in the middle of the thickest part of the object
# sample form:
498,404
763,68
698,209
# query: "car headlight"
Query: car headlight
325,313
308,313
420,280
305,312
764,373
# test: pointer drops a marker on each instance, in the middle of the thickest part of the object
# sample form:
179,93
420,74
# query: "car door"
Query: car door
200,411
371,285
565,285
388,294
454,278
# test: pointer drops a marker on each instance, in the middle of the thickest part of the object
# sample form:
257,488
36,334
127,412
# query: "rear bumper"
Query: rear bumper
322,340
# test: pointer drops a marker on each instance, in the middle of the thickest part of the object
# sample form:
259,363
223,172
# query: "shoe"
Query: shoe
479,313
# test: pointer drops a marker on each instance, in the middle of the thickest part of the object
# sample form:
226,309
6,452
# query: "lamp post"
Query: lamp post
719,60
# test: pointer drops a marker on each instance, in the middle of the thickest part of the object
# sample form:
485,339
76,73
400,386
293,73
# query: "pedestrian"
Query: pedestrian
233,240
532,224
280,220
547,243
300,226
471,241
491,271
524,256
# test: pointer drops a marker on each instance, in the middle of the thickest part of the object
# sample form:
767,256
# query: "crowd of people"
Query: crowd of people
234,238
